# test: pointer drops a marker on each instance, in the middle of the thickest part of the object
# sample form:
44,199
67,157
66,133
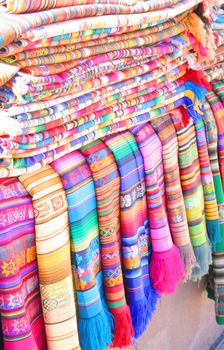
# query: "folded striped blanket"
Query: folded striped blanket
50,23
20,308
173,192
107,184
218,111
135,240
94,321
215,280
210,202
193,192
53,257
166,266
89,6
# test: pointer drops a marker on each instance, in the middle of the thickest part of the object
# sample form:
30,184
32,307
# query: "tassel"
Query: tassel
180,117
95,332
140,315
166,270
189,260
152,296
123,330
197,77
214,234
194,100
210,283
203,256
142,310
199,92
184,116
205,43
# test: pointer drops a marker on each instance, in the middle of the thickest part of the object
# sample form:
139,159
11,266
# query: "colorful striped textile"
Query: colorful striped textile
110,54
96,39
210,202
94,321
27,26
193,192
83,47
107,183
89,6
36,159
218,110
91,72
92,124
20,306
53,257
166,132
214,121
68,121
218,88
215,280
166,266
1,336
135,240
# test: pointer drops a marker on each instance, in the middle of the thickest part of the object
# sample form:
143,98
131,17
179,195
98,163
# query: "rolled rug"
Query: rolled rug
211,207
53,257
135,240
166,266
193,192
20,307
95,323
216,276
174,196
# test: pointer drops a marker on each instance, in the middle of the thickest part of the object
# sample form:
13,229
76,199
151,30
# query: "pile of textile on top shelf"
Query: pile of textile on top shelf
111,165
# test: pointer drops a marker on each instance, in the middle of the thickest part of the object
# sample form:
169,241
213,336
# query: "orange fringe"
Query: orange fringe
205,43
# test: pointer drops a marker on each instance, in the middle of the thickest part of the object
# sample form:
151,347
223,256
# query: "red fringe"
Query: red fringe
180,116
123,330
198,77
184,116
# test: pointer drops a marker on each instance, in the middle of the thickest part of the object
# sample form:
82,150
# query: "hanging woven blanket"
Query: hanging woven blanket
166,266
173,192
215,280
54,258
210,202
94,321
218,111
193,192
20,307
135,240
107,183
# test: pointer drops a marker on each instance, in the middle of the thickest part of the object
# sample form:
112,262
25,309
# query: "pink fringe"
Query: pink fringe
166,270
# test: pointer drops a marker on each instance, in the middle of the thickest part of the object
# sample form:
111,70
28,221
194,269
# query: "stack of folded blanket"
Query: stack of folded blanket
111,165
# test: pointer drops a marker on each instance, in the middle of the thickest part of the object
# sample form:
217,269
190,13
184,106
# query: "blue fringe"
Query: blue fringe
196,117
198,91
96,333
200,94
142,310
214,234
